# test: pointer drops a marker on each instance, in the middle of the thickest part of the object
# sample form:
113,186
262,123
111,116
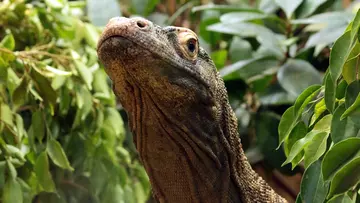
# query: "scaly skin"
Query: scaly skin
184,128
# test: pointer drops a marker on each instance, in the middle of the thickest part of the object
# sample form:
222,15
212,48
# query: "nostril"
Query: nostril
141,24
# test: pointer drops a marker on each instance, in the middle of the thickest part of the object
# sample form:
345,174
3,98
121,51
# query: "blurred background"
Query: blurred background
64,137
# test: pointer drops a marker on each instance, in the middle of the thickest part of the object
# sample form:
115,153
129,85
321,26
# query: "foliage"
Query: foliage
61,133
322,127
268,54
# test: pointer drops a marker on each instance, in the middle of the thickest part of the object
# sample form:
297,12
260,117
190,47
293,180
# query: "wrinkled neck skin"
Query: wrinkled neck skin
184,128
192,154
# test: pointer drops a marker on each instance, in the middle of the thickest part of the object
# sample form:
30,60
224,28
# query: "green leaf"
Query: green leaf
38,125
355,26
339,54
344,198
12,192
225,8
56,4
91,35
308,7
326,36
12,170
313,188
20,93
100,83
43,87
287,123
238,17
265,36
350,70
98,176
346,178
330,93
340,154
209,17
352,102
2,173
8,42
6,114
351,108
239,49
341,89
114,121
219,57
328,17
321,129
85,73
247,69
288,6
43,174
296,75
305,97
298,132
57,154
342,129
319,109
315,149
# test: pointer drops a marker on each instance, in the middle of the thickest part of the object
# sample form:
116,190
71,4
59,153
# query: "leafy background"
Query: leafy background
64,138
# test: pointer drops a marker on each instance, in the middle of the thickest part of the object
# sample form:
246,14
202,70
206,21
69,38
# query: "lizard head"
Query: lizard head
164,62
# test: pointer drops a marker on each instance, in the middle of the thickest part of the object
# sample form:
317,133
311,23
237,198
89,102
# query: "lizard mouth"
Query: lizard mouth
114,47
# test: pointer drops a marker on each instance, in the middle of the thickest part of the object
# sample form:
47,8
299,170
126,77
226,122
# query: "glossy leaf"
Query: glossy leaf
352,102
330,93
298,132
342,129
319,109
326,36
305,97
43,87
339,54
264,35
287,123
350,70
296,75
328,17
288,6
338,155
19,94
344,198
57,154
84,73
6,114
91,35
313,188
12,192
43,174
227,8
238,17
315,149
308,7
56,4
8,42
321,129
239,49
346,178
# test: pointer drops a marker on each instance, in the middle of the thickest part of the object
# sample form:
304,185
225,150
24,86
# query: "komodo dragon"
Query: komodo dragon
184,128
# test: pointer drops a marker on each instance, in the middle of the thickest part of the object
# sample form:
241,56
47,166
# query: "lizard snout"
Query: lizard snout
124,27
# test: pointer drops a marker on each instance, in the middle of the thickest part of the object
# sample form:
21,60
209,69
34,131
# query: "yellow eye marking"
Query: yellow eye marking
189,44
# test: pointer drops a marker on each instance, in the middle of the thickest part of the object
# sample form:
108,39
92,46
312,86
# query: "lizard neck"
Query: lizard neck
199,155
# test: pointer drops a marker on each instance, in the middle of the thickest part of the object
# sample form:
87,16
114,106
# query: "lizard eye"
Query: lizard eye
188,42
191,45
